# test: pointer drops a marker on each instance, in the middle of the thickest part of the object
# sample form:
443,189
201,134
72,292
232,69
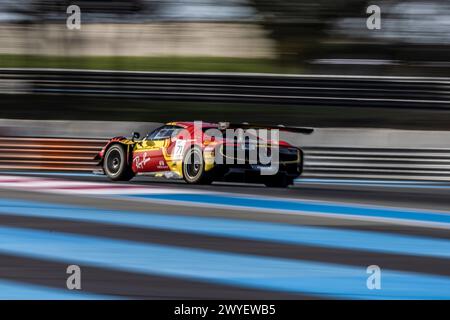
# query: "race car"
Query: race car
201,153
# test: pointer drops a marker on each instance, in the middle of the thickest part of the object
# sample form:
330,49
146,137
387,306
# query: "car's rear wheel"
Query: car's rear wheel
115,164
194,167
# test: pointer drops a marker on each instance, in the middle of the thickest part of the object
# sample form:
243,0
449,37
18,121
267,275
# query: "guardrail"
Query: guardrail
76,155
384,163
49,154
308,90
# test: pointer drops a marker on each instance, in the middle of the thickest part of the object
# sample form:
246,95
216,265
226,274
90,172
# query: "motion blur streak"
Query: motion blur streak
307,207
247,271
250,249
48,153
347,239
19,291
375,180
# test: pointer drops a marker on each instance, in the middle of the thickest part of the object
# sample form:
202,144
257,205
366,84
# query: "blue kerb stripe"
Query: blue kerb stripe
300,206
11,290
285,275
265,231
376,183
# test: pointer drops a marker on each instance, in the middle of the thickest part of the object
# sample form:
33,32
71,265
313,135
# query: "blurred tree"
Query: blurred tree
300,26
45,7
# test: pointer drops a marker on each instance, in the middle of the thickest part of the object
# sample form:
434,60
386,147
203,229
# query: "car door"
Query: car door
148,155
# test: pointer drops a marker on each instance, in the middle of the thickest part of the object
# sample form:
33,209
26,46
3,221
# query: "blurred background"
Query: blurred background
282,35
243,36
376,171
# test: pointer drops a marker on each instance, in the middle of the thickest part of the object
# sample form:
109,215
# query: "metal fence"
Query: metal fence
76,155
377,163
48,154
305,90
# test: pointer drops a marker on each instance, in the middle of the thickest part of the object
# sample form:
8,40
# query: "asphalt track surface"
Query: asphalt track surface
157,239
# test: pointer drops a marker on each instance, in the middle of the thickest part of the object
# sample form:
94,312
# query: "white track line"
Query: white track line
51,185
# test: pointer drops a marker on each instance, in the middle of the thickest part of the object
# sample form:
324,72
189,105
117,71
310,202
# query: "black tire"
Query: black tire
115,164
281,181
194,167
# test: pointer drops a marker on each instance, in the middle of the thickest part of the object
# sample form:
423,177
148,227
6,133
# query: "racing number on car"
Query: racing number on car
178,150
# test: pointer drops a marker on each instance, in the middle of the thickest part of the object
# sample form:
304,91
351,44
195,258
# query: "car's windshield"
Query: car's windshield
164,132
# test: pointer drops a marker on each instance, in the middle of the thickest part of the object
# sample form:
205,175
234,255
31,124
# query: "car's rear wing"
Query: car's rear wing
245,125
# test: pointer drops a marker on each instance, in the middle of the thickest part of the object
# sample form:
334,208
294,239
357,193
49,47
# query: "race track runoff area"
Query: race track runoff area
152,239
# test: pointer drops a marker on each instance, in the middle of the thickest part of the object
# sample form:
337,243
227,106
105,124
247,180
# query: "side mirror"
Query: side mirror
136,135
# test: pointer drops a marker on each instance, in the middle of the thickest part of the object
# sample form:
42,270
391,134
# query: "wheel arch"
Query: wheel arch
206,176
128,146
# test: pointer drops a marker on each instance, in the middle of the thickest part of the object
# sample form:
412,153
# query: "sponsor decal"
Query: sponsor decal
140,164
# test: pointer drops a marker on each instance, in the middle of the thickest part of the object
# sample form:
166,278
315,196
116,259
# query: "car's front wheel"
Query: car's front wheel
194,167
115,164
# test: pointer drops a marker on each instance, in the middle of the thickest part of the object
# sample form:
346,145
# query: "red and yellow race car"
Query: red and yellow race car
201,153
